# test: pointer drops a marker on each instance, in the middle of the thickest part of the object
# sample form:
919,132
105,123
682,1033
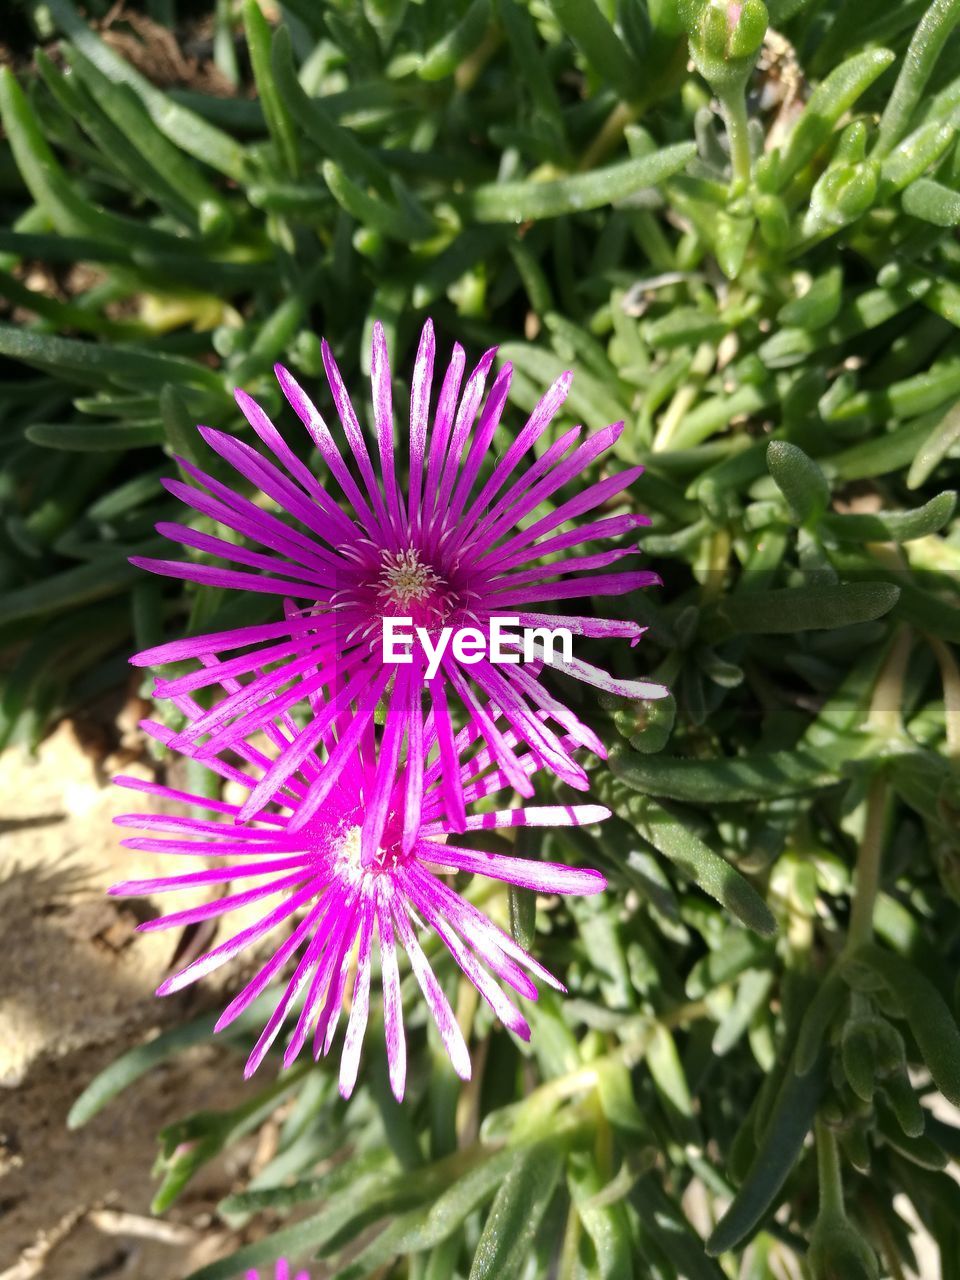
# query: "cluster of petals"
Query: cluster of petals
305,892
353,776
462,544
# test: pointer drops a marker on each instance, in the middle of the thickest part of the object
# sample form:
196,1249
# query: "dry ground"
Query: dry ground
76,984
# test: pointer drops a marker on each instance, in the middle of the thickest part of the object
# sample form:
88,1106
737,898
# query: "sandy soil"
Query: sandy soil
76,984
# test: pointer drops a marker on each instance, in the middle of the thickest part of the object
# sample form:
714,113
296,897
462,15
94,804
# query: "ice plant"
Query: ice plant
466,542
316,877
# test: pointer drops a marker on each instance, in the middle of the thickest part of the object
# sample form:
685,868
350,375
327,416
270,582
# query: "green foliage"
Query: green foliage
753,265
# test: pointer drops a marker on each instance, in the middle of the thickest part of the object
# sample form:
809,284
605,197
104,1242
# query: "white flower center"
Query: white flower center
347,855
405,579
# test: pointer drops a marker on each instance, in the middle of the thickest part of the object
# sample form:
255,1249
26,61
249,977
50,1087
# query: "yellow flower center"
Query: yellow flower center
404,579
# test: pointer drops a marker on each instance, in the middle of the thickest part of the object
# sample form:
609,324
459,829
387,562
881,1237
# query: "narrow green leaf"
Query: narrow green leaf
607,1225
349,1172
188,130
92,437
528,201
818,306
928,40
67,210
859,314
111,142
125,1070
800,481
753,776
879,455
517,1210
368,1198
830,100
684,326
69,589
317,121
936,446
665,1066
533,276
389,219
455,47
709,870
790,1121
523,916
606,55
531,62
933,202
66,315
59,248
424,1228
817,1018
921,1149
98,362
125,110
753,993
667,1224
714,415
915,154
178,424
129,495
791,609
592,401
907,398
911,1116
278,118
925,1010
735,951
893,526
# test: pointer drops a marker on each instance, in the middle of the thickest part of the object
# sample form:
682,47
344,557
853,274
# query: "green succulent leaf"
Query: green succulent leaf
790,609
518,1208
790,1120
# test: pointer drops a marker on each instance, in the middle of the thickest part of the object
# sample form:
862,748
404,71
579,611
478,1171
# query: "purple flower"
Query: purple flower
282,1273
464,545
317,882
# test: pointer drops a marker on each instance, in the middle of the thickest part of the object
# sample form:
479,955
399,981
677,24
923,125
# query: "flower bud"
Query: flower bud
839,1252
725,38
843,193
647,725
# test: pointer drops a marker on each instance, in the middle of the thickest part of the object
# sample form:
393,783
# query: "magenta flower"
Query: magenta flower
282,1272
474,541
317,879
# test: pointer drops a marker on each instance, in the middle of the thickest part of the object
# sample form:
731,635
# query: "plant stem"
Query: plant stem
884,715
703,362
950,675
828,1172
567,1267
470,70
734,107
867,874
